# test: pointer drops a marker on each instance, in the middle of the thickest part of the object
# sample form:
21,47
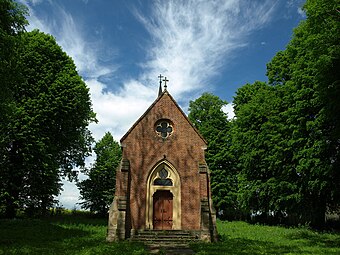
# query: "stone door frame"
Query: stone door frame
175,190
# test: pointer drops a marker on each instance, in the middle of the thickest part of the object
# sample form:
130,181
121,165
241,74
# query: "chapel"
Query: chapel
163,180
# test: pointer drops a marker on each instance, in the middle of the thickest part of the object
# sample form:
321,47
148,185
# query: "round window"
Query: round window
164,128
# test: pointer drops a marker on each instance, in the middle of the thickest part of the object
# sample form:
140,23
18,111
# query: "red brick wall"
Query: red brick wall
203,185
184,149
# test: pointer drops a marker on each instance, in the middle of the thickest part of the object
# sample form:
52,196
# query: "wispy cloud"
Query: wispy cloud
295,6
68,34
190,42
229,110
83,52
117,112
301,12
35,2
87,56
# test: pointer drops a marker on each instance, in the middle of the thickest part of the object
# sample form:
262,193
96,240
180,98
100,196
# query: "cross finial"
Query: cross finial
160,85
160,79
165,81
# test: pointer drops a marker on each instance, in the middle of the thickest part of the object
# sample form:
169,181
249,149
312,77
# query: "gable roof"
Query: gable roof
165,92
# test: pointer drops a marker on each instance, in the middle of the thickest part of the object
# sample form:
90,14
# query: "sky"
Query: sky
120,47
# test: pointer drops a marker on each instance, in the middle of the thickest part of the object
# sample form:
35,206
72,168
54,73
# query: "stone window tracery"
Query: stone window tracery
164,128
163,178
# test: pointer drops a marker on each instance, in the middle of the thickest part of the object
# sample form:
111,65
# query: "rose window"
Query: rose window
164,129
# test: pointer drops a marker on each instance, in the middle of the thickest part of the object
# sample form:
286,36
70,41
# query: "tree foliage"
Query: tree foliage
98,190
312,58
207,116
266,175
286,134
46,135
12,24
282,149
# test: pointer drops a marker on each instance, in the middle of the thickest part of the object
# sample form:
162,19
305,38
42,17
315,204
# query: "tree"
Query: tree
47,135
267,178
12,24
286,135
98,190
309,71
207,116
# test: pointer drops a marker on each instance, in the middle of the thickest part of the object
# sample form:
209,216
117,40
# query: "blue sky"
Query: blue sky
121,46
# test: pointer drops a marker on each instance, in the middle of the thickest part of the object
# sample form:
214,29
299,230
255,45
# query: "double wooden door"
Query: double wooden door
162,209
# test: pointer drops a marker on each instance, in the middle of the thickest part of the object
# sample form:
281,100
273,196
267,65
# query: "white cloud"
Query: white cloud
295,5
301,12
69,36
190,42
229,110
193,39
69,197
117,112
83,52
35,2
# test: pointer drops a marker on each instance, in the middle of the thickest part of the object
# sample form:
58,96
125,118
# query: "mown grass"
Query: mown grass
77,234
243,238
61,235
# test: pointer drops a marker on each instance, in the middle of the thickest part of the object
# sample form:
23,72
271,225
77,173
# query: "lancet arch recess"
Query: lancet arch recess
164,176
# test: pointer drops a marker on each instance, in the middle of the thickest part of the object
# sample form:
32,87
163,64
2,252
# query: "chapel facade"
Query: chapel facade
163,180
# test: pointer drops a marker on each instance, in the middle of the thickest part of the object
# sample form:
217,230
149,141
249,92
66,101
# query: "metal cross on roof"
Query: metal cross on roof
160,85
160,79
165,81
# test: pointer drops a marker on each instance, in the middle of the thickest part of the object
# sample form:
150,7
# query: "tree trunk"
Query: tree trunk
319,213
10,210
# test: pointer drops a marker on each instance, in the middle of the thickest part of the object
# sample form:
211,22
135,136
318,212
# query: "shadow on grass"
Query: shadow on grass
243,246
60,236
90,220
324,240
34,231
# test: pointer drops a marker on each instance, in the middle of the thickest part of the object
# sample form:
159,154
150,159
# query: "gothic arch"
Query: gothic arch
174,188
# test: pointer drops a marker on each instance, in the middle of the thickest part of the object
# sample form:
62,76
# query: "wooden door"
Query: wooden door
162,209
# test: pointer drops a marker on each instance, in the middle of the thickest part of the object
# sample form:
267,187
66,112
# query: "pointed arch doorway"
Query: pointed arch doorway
163,199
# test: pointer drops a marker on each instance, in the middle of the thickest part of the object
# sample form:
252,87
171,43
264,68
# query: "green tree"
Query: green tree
286,135
12,24
267,179
309,71
207,116
47,134
98,190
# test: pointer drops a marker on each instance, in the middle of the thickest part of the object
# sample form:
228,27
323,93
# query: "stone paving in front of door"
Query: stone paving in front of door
170,249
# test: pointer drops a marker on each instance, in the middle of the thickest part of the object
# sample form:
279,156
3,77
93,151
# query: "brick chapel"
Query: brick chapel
163,180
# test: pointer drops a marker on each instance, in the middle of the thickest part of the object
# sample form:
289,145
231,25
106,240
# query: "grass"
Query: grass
81,234
243,238
61,235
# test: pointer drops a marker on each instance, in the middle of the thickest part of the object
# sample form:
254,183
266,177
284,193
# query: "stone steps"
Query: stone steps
170,241
165,236
170,249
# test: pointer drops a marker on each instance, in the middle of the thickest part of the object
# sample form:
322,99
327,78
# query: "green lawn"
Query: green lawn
84,235
67,235
243,238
